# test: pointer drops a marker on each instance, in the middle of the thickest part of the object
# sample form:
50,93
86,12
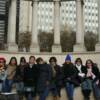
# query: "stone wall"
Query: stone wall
95,56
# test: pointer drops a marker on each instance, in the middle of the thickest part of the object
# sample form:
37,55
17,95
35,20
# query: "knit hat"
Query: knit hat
1,58
68,57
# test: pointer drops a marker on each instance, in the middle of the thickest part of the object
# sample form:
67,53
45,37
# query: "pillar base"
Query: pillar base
79,48
97,47
34,48
12,47
56,48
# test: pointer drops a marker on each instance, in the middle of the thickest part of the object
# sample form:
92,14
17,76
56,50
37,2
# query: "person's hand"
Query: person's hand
47,83
97,82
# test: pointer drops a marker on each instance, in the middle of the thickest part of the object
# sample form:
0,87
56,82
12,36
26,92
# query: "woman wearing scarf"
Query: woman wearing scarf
91,73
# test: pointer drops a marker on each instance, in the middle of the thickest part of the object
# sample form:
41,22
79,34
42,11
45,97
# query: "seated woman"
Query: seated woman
91,72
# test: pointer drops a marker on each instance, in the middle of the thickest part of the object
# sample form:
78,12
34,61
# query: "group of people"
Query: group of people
37,77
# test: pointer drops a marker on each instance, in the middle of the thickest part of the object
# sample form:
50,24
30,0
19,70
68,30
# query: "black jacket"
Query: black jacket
44,76
30,75
58,76
19,75
69,73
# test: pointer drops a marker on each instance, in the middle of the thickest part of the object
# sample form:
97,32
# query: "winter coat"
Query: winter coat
19,75
57,80
3,75
30,75
80,78
69,73
87,83
11,70
44,77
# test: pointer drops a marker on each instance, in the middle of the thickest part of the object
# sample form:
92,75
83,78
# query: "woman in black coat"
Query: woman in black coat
69,75
81,69
43,80
30,76
91,73
56,81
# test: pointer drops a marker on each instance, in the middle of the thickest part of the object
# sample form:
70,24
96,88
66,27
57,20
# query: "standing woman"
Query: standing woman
56,80
91,73
69,74
11,70
19,77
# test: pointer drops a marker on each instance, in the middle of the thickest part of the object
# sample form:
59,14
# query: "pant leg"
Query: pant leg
7,85
96,91
69,90
86,94
1,87
44,94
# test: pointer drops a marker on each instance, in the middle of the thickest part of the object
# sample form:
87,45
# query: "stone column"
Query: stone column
79,27
34,45
97,47
56,48
12,46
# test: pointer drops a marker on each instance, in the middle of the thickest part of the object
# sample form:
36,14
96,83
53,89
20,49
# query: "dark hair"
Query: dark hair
12,59
78,59
53,58
22,59
90,62
38,60
31,57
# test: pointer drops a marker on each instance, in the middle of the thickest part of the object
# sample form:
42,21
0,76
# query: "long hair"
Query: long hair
78,59
12,59
22,59
90,62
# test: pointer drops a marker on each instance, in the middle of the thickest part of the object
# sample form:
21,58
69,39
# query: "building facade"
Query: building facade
2,20
67,15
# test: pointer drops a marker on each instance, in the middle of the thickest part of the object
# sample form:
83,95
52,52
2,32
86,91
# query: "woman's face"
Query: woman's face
89,64
78,63
13,62
1,63
52,62
32,61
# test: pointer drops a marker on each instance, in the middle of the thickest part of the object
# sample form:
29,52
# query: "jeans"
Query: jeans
69,90
7,85
44,94
29,97
20,87
96,91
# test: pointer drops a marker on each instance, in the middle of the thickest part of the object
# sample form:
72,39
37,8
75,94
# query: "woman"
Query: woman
91,73
56,80
11,70
80,69
3,73
19,77
69,75
96,85
43,80
30,76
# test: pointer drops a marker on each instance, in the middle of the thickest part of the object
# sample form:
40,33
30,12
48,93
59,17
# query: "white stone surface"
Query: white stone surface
11,41
95,56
